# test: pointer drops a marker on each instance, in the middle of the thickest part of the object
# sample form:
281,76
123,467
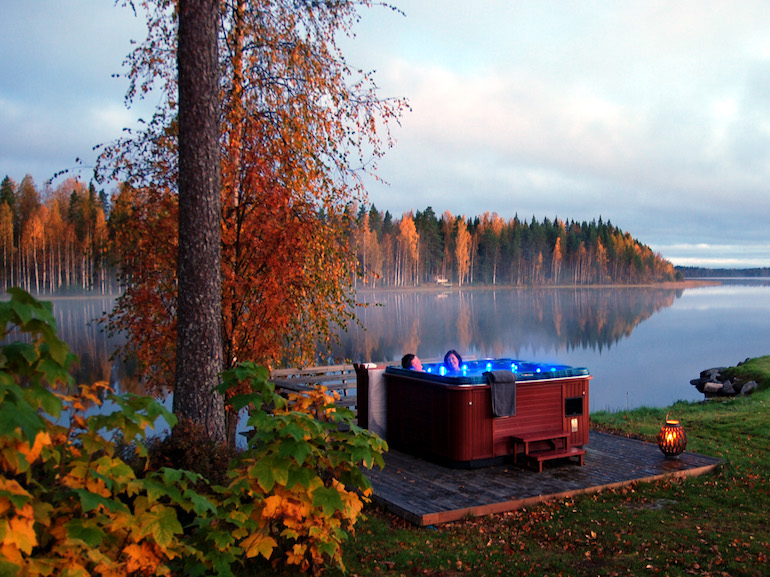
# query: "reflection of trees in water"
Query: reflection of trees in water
495,323
78,326
76,318
464,331
499,323
581,318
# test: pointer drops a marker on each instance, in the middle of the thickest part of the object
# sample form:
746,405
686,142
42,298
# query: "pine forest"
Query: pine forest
57,240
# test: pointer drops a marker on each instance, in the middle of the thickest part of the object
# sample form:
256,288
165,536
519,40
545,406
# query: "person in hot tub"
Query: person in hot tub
410,361
453,361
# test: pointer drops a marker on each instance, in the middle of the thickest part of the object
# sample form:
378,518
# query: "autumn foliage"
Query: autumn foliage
54,240
420,248
70,504
298,125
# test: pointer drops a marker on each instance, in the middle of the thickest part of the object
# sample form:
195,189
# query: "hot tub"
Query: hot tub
448,418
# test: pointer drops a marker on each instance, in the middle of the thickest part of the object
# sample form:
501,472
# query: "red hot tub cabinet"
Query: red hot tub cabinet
449,419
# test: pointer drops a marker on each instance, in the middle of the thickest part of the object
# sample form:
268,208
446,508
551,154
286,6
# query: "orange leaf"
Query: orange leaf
142,557
22,533
272,506
258,544
43,439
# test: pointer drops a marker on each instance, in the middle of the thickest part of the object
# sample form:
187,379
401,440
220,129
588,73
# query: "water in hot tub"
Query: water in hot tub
477,368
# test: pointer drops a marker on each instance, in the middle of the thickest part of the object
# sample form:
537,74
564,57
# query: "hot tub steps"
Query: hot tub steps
558,446
540,456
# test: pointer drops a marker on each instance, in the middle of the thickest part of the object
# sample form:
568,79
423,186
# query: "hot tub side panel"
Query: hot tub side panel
540,406
444,423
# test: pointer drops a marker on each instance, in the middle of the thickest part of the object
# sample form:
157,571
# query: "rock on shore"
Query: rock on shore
714,383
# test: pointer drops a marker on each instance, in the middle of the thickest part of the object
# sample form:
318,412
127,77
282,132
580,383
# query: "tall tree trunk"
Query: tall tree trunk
232,178
199,310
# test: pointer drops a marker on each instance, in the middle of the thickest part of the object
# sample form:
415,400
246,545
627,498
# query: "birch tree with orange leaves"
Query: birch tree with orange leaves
408,251
368,252
462,250
298,126
6,241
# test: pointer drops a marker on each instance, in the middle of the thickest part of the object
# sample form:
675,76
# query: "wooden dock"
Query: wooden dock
428,494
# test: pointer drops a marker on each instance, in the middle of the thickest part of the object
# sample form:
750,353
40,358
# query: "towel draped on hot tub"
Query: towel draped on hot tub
503,389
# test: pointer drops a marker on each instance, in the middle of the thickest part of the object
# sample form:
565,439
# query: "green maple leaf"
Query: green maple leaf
328,499
91,536
162,524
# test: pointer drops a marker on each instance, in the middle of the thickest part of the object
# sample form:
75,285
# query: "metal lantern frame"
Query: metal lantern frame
672,438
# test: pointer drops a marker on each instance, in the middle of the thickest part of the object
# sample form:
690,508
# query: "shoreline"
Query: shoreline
684,284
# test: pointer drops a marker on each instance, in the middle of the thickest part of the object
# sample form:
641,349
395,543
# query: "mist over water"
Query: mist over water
641,345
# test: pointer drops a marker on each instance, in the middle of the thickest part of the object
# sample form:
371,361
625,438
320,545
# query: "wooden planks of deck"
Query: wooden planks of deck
428,494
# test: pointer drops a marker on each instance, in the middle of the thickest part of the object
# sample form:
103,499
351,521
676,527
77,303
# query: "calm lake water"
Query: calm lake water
642,345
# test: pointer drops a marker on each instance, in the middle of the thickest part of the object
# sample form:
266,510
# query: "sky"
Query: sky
652,115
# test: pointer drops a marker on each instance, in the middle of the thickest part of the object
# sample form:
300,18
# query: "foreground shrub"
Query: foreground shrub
71,505
298,490
67,504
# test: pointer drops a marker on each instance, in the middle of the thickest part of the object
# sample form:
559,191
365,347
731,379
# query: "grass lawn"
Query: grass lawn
716,524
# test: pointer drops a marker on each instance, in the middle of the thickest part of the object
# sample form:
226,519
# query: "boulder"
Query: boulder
749,388
712,374
712,388
698,384
728,388
713,383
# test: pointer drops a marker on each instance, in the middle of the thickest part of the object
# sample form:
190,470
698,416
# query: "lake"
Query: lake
642,345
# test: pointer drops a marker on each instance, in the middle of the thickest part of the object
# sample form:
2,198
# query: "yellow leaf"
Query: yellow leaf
12,487
258,544
297,555
22,534
97,487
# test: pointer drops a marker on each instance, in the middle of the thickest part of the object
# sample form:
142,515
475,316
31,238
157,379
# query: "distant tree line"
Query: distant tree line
58,240
700,272
421,248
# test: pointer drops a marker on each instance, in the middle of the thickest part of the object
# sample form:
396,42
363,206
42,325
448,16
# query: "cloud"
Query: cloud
63,99
652,115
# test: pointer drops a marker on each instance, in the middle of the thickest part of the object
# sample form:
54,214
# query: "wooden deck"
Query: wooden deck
428,494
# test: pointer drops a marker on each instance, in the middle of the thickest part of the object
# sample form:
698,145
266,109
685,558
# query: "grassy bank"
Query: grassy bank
715,524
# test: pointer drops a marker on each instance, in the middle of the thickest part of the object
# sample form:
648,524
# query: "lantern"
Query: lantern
672,439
